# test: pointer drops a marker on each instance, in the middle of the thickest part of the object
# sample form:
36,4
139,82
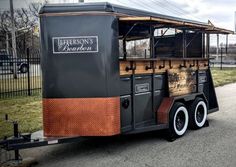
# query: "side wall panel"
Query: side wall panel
73,75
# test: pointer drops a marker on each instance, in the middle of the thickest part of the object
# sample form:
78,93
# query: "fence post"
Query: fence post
221,55
28,74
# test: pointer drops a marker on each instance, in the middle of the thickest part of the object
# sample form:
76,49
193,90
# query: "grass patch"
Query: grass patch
26,110
223,77
21,83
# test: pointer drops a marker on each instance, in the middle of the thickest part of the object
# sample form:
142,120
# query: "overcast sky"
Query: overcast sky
220,12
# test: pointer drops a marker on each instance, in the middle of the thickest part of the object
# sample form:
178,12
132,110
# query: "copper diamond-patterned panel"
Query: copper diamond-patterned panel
81,116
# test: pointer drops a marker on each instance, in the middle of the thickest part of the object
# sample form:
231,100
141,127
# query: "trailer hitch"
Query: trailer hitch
24,140
17,138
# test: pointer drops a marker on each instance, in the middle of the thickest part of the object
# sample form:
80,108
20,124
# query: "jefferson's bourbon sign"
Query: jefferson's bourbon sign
81,44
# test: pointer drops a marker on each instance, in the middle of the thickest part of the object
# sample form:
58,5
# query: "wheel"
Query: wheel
197,113
24,68
178,121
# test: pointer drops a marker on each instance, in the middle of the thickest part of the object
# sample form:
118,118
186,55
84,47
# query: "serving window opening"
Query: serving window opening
150,40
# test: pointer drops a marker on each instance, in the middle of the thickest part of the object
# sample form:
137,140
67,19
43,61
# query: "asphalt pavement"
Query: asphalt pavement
213,146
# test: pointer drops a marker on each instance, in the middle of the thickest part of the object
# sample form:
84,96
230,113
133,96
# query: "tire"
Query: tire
197,113
24,68
178,121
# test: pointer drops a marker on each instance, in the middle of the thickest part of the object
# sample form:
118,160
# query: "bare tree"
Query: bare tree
5,21
25,20
34,8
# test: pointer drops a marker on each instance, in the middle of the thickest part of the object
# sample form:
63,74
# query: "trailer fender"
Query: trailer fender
164,109
167,103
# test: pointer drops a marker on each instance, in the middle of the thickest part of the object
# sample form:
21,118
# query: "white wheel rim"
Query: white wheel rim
203,104
183,130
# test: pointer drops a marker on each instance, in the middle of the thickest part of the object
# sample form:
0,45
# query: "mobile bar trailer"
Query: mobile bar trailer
109,70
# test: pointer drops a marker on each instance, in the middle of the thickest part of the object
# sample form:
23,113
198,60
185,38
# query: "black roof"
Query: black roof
106,7
117,9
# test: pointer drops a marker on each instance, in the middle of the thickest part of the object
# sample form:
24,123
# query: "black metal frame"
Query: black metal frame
153,43
16,145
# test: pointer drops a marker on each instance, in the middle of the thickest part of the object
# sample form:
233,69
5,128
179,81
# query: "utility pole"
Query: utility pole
226,45
217,46
7,43
13,34
221,57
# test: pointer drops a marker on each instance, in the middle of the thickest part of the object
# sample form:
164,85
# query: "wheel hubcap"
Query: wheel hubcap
200,114
24,69
180,121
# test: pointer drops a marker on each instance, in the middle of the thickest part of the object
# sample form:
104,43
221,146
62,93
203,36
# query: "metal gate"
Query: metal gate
21,75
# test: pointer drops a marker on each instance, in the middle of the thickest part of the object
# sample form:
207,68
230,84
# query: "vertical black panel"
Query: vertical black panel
158,96
195,41
88,73
206,86
143,110
160,82
213,103
125,85
126,111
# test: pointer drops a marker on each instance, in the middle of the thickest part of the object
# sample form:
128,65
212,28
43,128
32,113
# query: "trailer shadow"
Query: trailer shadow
98,147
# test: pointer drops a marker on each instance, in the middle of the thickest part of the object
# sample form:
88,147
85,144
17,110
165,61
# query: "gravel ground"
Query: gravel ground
214,146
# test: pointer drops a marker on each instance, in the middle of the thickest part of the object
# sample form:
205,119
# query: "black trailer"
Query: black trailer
110,70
